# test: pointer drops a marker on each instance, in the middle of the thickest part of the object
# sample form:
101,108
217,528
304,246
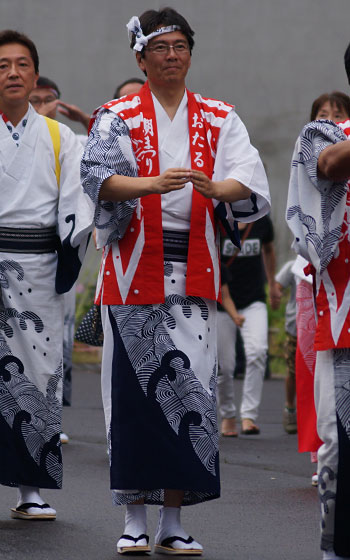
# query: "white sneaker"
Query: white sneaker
314,479
64,438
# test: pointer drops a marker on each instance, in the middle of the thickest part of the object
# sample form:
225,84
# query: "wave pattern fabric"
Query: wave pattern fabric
30,372
315,207
163,386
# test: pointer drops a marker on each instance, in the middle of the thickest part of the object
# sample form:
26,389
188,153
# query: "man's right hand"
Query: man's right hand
171,180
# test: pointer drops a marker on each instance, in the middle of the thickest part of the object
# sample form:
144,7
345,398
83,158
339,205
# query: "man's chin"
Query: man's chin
15,100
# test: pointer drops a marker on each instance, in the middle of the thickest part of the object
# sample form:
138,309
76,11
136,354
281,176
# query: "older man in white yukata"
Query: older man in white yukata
163,166
45,219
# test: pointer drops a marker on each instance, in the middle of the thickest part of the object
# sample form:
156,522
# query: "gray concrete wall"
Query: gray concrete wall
270,58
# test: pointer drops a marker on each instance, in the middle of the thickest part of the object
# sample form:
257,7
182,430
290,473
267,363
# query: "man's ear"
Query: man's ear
36,79
140,61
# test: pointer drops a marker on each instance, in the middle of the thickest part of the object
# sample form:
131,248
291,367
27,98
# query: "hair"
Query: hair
337,98
347,62
129,81
43,82
9,36
153,19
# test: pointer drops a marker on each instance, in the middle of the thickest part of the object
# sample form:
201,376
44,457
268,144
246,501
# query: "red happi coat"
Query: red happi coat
333,291
133,268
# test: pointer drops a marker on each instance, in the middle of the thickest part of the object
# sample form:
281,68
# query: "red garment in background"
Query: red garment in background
305,360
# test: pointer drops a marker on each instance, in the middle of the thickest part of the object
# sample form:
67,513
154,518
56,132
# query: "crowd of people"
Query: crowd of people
178,200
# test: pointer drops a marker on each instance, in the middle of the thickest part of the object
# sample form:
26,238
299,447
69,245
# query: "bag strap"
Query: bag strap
54,130
244,237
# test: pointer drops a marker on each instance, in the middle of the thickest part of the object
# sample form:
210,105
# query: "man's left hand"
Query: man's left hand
203,184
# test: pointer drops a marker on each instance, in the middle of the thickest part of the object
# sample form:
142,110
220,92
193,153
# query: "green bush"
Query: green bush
277,336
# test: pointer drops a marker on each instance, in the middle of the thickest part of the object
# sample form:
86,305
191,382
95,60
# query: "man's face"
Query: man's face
128,89
169,67
44,101
17,75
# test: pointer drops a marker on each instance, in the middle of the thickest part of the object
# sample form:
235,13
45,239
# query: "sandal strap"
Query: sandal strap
170,540
135,539
24,507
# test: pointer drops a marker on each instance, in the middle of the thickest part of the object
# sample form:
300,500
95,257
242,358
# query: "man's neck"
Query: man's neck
14,113
169,98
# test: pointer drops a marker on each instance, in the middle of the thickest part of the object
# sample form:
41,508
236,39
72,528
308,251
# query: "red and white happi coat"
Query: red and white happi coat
333,287
133,267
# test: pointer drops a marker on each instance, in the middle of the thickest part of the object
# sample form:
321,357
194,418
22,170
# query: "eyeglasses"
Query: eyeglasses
179,48
37,101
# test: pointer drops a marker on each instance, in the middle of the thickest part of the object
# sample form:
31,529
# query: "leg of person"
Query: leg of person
135,538
289,413
225,385
68,342
254,333
341,359
159,397
328,453
31,381
30,505
314,477
170,537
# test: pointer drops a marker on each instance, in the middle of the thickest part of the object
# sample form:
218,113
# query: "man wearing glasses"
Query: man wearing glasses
45,99
163,166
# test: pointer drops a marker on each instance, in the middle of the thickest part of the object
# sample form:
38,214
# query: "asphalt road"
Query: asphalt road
268,509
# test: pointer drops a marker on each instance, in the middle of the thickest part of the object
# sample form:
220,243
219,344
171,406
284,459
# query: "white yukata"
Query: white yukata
318,213
32,286
159,363
69,327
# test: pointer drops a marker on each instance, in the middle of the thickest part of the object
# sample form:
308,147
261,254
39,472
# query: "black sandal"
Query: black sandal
165,547
134,548
21,512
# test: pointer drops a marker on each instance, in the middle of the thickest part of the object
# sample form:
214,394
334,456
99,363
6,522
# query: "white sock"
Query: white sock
135,524
170,526
29,494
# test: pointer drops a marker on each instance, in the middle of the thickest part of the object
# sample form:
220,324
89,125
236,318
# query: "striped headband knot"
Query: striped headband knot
141,40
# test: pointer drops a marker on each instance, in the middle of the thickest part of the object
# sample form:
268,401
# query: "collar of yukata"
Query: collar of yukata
141,40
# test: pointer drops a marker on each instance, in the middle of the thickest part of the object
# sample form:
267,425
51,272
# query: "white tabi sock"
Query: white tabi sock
135,524
31,494
170,526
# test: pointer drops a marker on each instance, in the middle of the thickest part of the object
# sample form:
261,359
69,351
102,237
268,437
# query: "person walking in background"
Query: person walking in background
300,358
247,269
285,278
318,215
175,162
45,222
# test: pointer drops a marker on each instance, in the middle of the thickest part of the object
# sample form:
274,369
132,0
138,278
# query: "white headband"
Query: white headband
141,40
